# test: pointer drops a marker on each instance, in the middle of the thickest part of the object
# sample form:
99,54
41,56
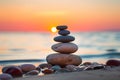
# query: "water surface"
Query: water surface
34,47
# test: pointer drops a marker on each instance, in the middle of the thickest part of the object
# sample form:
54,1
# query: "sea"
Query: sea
34,47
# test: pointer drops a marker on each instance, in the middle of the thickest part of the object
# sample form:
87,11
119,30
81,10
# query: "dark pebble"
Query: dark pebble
38,69
14,71
113,63
6,67
45,65
87,63
62,27
64,39
47,71
99,67
63,32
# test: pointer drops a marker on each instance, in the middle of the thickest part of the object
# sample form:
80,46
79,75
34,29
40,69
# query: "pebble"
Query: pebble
87,63
99,67
74,68
5,76
61,27
6,67
64,32
14,71
47,71
27,67
71,67
113,63
45,65
56,68
64,39
38,69
63,59
33,72
65,48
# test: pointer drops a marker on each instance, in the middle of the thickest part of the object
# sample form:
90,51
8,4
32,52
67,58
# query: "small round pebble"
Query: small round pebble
5,76
27,67
6,67
14,71
45,65
47,71
64,32
56,67
61,27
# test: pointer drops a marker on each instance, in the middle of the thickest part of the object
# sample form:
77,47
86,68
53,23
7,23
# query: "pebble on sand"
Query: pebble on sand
14,71
45,65
5,76
113,63
27,67
63,59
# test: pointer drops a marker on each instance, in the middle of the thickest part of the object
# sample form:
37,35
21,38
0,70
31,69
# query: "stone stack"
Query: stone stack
64,49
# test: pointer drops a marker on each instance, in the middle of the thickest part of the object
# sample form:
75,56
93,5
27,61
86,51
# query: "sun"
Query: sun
53,29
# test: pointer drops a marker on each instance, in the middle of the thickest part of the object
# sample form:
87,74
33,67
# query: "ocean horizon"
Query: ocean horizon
23,47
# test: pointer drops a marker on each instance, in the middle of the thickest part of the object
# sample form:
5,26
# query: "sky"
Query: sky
42,15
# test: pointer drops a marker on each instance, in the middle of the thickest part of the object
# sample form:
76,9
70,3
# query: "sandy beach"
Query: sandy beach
113,74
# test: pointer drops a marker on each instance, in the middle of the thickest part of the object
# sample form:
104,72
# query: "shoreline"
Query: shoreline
91,71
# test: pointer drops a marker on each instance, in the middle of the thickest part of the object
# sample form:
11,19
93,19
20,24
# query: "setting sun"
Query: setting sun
53,29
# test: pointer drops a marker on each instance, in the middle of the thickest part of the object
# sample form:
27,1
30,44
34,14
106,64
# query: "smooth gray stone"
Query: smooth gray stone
61,27
5,76
56,68
64,39
65,48
63,32
63,59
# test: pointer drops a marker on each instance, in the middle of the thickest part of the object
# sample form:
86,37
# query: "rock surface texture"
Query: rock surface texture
64,49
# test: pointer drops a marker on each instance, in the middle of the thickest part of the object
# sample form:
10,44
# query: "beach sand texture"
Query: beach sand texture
83,75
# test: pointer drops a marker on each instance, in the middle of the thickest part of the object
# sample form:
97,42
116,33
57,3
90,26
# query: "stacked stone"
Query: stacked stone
64,49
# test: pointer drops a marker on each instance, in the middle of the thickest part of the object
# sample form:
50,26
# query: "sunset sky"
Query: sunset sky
41,15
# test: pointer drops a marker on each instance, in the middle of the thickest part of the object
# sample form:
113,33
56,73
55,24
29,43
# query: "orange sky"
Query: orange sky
41,15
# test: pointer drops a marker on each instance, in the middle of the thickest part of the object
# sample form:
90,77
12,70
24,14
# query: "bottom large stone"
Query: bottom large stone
63,59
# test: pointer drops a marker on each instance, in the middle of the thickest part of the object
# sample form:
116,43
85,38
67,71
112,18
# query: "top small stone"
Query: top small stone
62,27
